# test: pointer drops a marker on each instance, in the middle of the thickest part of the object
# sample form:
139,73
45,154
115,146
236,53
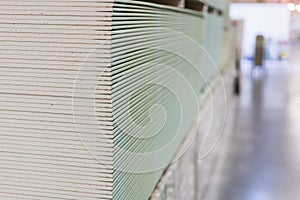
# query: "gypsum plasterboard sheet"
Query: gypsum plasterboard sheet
125,94
34,124
149,44
84,55
129,189
193,79
52,135
83,16
158,7
46,58
126,65
17,148
50,169
41,32
141,108
78,179
36,140
139,82
212,43
49,4
57,158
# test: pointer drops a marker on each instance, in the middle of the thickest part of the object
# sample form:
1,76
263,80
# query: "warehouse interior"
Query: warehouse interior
149,99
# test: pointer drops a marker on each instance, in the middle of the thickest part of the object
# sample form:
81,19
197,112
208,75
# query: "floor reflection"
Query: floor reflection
263,159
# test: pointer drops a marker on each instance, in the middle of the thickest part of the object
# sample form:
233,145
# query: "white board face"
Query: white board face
52,54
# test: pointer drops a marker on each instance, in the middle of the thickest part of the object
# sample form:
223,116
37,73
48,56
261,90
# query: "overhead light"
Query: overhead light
298,8
291,7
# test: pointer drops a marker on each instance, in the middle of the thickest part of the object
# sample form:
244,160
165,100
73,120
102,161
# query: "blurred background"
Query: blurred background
261,158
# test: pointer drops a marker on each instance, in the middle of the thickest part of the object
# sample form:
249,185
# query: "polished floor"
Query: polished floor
262,160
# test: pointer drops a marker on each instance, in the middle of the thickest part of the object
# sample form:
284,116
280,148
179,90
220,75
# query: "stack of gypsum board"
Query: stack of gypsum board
85,87
213,44
153,51
49,59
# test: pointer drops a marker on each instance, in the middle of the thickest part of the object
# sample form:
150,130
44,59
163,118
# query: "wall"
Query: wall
271,20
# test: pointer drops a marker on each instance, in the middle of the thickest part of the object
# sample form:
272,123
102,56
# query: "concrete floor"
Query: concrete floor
263,154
